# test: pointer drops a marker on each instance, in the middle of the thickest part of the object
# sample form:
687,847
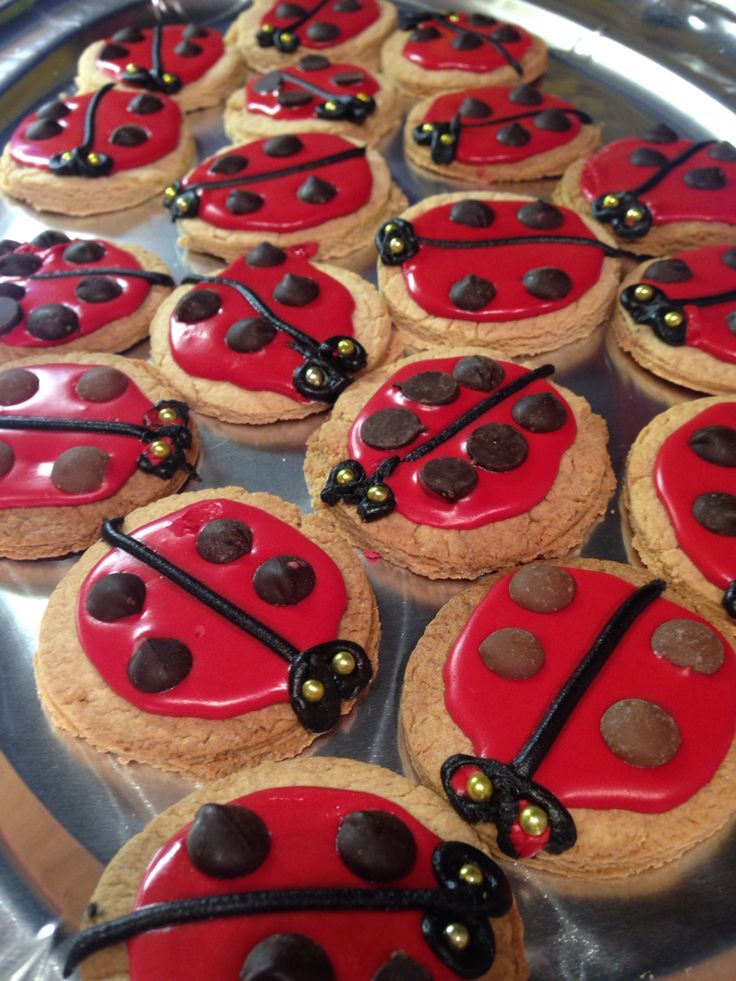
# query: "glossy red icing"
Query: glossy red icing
232,672
303,822
200,349
497,495
432,272
282,210
163,129
439,55
609,170
349,22
266,104
140,53
681,476
580,769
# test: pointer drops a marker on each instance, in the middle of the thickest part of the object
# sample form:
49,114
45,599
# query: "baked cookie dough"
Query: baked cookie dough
451,464
82,437
271,337
604,770
321,193
208,632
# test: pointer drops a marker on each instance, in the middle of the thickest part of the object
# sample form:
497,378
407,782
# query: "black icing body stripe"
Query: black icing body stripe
156,279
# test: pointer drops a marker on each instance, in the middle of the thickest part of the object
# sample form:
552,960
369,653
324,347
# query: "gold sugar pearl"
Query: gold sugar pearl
427,127
131,68
377,494
453,18
267,29
458,935
345,476
160,449
643,292
610,201
168,78
66,156
633,215
315,377
346,347
313,690
170,193
673,318
390,227
479,787
168,415
471,874
447,139
363,97
94,159
343,663
286,38
397,246
182,205
533,820
331,106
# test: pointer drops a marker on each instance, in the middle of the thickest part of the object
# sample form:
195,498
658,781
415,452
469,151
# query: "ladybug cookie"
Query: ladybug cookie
84,436
210,631
452,464
103,151
320,869
81,295
502,271
658,194
186,61
273,336
579,715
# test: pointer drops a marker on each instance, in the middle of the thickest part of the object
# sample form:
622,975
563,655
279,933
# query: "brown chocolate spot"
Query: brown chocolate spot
79,470
716,512
401,967
644,156
98,289
187,49
294,97
688,644
197,305
542,413
101,384
113,52
243,202
323,31
313,63
224,540
52,322
128,35
540,215
13,291
289,11
478,372
716,444
472,293
422,34
728,258
552,120
287,957
705,178
121,594
474,214
661,133
43,129
160,663
430,388
145,105
475,109
20,264
506,33
547,283
388,429
265,254
466,41
128,136
316,191
11,314
55,109
229,163
449,477
542,588
347,6
526,95
8,245
249,335
640,732
669,271
346,79
48,238
512,653
376,845
513,135
226,841
17,385
498,447
724,151
283,146
284,580
83,252
7,458
195,30
296,291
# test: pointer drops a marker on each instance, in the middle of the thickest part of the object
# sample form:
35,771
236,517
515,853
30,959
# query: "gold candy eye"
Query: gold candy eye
390,227
427,127
313,690
131,68
170,193
331,106
168,78
447,139
471,874
397,246
611,201
458,935
345,476
633,215
479,787
182,205
315,377
533,820
643,292
66,156
673,318
343,663
346,347
267,29
94,159
377,494
286,38
167,415
160,449
363,97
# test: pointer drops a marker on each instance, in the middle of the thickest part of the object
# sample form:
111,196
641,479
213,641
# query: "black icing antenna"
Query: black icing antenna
647,304
84,160
285,39
413,20
157,79
354,107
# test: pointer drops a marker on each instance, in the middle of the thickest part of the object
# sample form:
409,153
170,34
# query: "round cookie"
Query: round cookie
677,317
211,631
326,96
352,833
448,52
319,192
186,61
81,295
480,135
539,276
680,487
658,194
451,464
271,337
275,34
103,151
608,769
84,436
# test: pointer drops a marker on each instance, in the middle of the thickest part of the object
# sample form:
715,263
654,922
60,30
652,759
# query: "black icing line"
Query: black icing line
711,300
463,124
729,599
508,58
347,100
156,279
78,165
294,25
654,310
671,165
153,80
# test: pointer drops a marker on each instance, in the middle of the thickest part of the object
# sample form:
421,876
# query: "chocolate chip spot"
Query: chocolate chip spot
128,35
542,413
728,258
347,6
506,33
688,644
466,41
48,238
316,191
194,30
401,967
552,120
265,254
512,653
289,11
56,109
160,663
661,133
723,151
12,290
430,388
640,732
187,49
269,82
422,34
98,289
145,105
345,79
376,845
17,385
197,305
497,446
705,178
282,146
226,841
542,588
472,293
716,512
287,957
20,264
8,245
101,384
644,156
121,594
10,314
478,372
716,444
52,322
388,429
7,458
526,95
250,334
313,63
229,163
128,136
474,214
323,31
513,135
82,252
547,283
224,540
79,470
669,271
540,215
480,20
296,291
294,97
472,108
113,52
284,580
243,202
449,477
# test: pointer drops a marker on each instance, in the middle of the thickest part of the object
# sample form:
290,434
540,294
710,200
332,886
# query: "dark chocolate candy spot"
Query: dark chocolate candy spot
313,63
128,136
284,580
20,264
112,52
472,293
294,97
506,33
716,512
376,845
401,967
269,82
226,841
669,271
475,214
316,191
323,31
661,133
265,254
542,588
224,540
513,135
716,444
688,644
188,49
56,109
478,372
197,305
430,388
344,79
347,6
287,957
79,470
466,41
98,289
82,252
121,594
640,732
10,314
8,245
128,35
101,384
526,95
388,429
480,20
705,178
243,202
194,30
540,215
644,156
7,458
249,335
17,385
728,258
52,322
449,477
497,446
552,120
422,34
289,11
723,151
512,653
475,109
547,283
282,146
160,663
13,291
542,413
296,291
48,238
229,163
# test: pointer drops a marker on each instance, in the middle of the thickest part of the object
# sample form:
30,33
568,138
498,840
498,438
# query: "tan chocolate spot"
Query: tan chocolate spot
688,644
512,653
542,588
640,732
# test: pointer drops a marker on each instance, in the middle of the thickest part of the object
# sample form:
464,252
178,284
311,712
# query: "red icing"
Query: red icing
186,69
671,200
580,769
91,316
200,349
433,271
439,55
303,822
497,495
282,211
350,22
27,484
267,104
163,129
680,476
232,672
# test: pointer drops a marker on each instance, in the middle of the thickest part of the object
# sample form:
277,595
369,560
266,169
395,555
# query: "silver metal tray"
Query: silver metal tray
65,809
